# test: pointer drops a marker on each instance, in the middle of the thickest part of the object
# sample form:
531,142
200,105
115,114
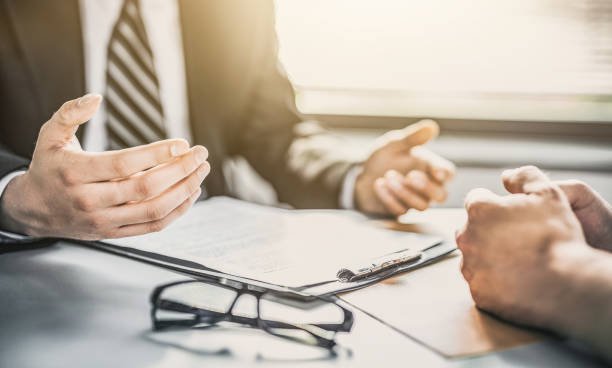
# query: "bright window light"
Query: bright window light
505,59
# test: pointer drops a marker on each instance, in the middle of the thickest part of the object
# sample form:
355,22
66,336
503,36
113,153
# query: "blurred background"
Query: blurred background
511,82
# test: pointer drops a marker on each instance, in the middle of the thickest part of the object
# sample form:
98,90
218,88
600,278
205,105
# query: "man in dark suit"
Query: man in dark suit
205,71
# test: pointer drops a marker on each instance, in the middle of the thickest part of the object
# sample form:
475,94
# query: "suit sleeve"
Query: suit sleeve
10,162
305,163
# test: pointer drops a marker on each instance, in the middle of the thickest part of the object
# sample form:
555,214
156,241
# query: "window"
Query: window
531,60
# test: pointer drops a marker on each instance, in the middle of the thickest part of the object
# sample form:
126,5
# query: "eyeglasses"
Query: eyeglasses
204,303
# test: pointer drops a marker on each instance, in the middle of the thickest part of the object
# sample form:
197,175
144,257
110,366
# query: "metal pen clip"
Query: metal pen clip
378,265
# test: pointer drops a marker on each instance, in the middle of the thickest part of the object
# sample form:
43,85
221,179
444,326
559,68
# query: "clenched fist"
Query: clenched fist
526,259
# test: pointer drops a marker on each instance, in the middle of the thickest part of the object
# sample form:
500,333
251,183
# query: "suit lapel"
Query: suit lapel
50,37
203,51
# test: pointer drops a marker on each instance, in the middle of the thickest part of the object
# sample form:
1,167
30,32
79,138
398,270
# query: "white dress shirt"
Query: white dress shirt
162,22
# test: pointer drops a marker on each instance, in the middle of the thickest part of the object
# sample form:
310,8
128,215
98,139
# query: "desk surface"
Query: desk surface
68,305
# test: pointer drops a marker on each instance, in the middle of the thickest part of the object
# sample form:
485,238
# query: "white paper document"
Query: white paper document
285,247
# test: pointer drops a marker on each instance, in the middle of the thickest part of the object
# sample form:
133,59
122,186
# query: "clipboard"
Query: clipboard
429,255
376,270
329,251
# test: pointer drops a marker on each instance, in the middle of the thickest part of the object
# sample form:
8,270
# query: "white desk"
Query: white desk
70,306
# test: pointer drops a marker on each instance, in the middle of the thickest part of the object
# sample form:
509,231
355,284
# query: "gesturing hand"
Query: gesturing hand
520,250
593,212
401,174
67,192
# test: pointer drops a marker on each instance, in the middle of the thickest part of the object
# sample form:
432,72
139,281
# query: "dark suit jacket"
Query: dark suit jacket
240,101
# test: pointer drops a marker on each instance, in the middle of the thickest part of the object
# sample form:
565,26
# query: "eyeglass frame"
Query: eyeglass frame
244,288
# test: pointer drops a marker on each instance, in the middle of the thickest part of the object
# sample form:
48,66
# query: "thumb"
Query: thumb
528,180
413,135
64,123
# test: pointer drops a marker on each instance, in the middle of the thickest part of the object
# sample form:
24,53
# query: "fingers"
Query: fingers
413,135
112,165
420,133
531,180
526,179
158,225
481,205
438,167
478,200
426,187
405,195
515,180
153,182
64,123
159,207
416,190
388,199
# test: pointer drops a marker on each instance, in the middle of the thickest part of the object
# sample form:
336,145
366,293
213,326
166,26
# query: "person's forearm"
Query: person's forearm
587,314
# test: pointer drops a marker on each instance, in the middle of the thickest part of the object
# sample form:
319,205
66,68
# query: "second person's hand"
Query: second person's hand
593,212
401,174
521,251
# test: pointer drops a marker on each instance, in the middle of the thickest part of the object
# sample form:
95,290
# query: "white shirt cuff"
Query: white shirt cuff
4,182
347,192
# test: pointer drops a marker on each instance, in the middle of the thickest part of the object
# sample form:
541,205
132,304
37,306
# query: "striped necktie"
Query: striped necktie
134,110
